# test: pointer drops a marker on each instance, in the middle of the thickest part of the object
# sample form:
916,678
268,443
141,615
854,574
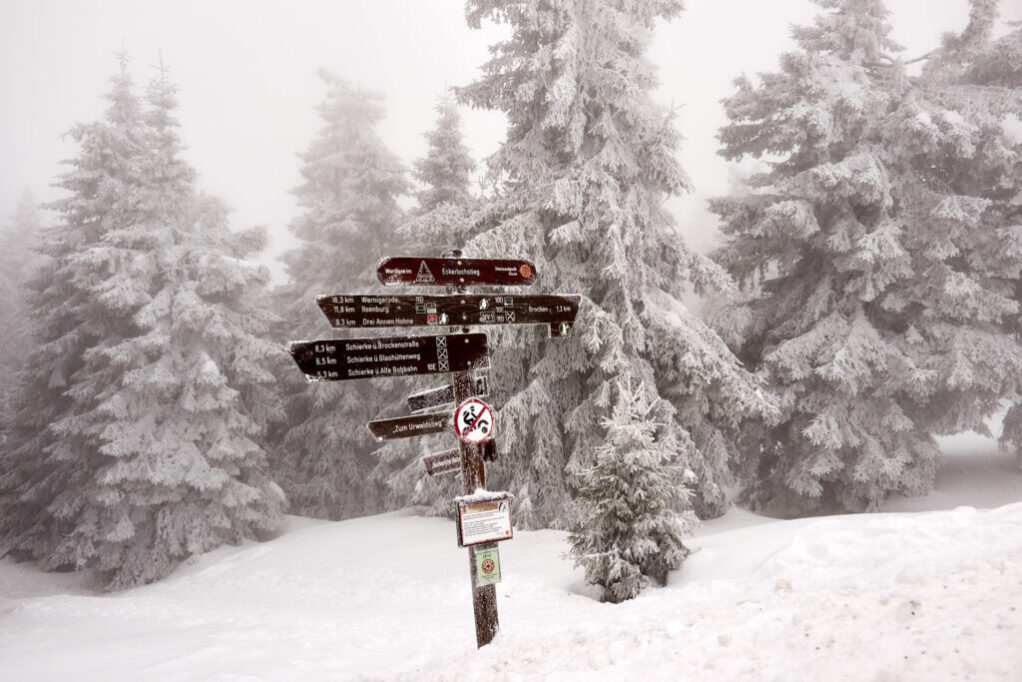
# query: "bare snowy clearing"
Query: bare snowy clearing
912,596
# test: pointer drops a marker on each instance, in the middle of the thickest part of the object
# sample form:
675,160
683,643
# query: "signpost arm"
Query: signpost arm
473,475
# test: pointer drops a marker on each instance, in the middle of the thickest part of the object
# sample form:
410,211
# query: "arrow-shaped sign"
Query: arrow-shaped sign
455,271
341,359
351,311
406,427
442,396
442,462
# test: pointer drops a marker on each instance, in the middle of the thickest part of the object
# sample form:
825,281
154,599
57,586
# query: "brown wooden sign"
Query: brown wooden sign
442,396
455,271
407,427
370,311
443,462
368,358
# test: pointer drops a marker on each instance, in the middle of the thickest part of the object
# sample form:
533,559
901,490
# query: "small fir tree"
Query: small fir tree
629,528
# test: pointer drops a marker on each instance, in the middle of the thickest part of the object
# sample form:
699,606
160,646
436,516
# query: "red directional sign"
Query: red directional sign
455,271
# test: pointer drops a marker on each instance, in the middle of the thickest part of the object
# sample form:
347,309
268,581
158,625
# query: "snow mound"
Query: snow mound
934,596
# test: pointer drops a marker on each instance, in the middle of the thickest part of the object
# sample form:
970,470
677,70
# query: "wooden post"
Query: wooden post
473,476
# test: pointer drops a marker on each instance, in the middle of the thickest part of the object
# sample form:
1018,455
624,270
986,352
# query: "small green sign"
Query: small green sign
487,565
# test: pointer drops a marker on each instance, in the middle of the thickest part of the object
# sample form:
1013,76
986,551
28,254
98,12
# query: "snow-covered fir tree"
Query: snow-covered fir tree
877,301
629,530
444,217
351,183
445,173
47,452
157,454
966,159
442,220
588,162
17,257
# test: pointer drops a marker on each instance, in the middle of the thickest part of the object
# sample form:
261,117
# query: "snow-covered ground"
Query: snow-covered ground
902,595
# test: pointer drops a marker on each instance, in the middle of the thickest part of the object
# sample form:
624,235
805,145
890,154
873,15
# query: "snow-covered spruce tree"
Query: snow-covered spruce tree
628,530
870,305
18,237
965,154
161,427
47,451
349,220
443,220
179,407
588,162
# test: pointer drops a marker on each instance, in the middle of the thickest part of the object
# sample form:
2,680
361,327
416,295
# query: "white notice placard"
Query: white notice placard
486,521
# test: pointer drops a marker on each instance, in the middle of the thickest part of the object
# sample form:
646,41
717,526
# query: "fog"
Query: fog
248,88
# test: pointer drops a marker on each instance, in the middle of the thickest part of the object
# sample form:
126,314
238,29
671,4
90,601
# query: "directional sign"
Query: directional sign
442,462
456,271
341,359
473,421
365,311
439,397
406,427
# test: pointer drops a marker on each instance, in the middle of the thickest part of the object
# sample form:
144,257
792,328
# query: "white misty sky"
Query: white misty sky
246,72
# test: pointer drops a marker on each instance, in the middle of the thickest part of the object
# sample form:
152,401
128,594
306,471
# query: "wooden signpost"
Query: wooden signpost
484,517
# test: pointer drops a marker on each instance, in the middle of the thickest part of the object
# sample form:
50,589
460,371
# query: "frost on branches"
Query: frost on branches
139,438
588,162
351,183
629,530
879,258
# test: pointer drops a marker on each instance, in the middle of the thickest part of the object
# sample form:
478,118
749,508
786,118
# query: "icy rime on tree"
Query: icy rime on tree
351,183
881,254
627,532
138,440
588,162
443,216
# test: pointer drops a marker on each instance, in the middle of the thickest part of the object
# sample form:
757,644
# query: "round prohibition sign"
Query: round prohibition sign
488,566
473,421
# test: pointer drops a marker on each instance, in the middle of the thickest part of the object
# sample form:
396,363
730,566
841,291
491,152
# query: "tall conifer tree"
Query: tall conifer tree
588,162
17,258
48,452
349,221
444,219
879,288
155,455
